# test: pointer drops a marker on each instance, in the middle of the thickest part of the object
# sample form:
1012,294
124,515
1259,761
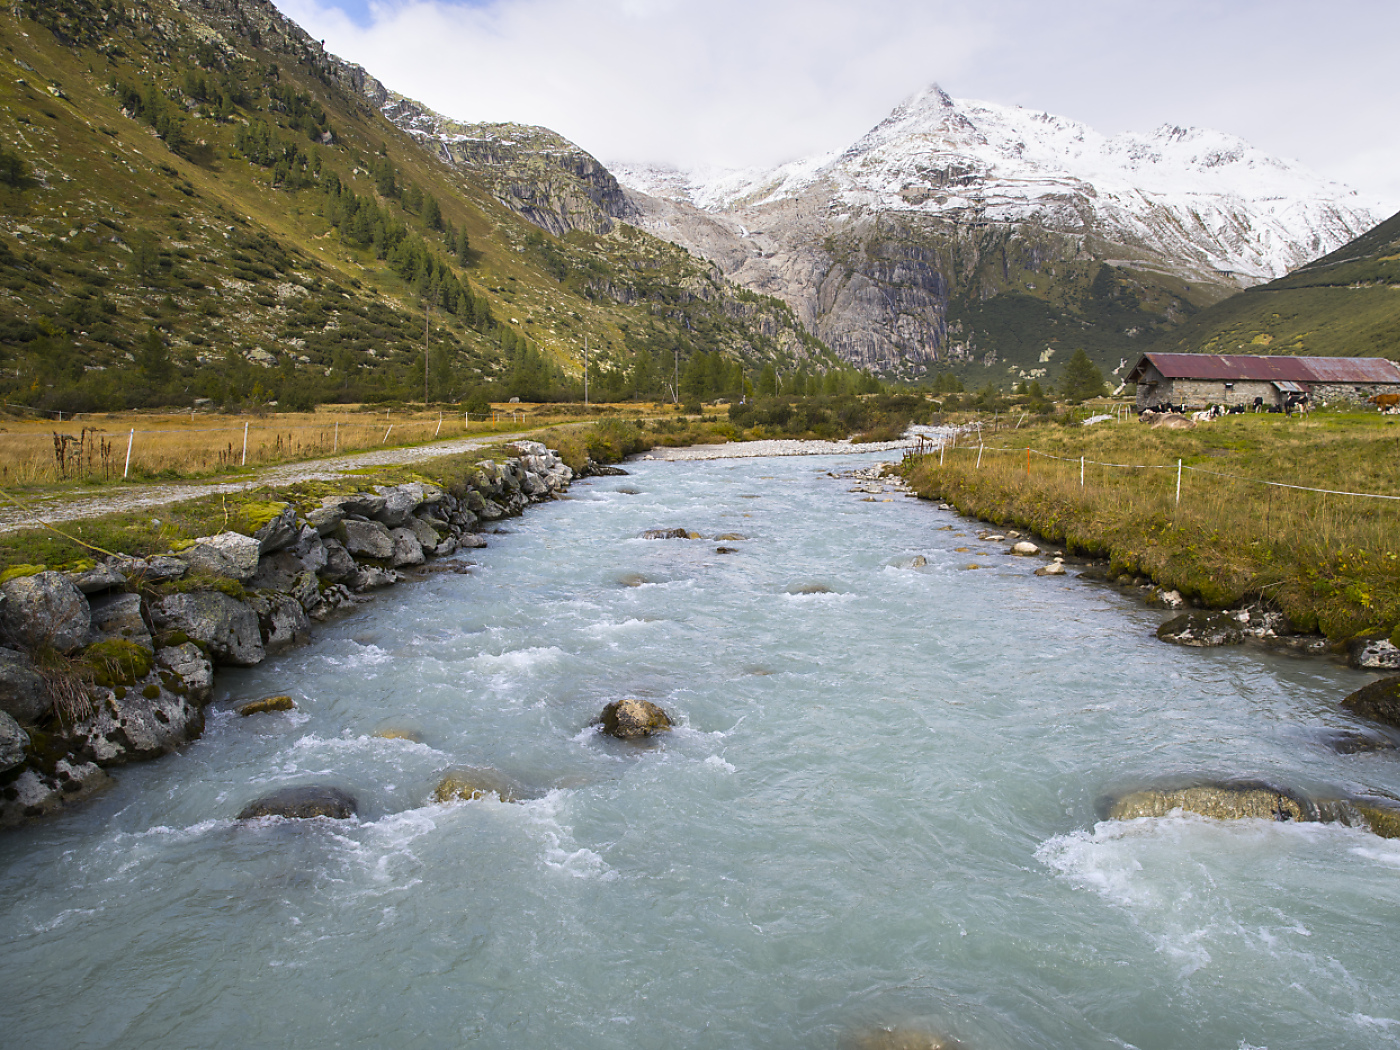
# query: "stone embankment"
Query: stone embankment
115,664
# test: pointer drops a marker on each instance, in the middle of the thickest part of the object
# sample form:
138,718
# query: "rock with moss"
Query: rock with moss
45,611
116,661
468,784
278,531
306,590
129,723
120,616
399,504
227,629
14,743
631,719
427,536
1202,630
23,695
34,794
1381,815
310,549
360,504
1373,651
325,520
1379,701
265,704
229,554
666,534
303,803
194,669
1220,801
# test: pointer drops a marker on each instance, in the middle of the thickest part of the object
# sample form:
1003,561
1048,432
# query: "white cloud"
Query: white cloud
739,82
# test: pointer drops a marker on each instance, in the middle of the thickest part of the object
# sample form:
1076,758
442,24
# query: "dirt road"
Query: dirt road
76,504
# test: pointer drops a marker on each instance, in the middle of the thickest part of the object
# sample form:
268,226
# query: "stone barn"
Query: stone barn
1197,380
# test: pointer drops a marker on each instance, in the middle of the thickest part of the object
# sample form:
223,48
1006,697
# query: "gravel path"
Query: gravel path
94,502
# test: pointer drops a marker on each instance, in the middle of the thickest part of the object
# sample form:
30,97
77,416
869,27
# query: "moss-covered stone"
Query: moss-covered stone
1379,701
1383,818
117,662
14,572
630,719
267,703
1217,801
466,785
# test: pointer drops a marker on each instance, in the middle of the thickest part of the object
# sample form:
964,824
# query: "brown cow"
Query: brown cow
1385,400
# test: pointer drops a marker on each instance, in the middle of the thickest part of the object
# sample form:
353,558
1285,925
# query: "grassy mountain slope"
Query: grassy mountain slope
1346,304
196,201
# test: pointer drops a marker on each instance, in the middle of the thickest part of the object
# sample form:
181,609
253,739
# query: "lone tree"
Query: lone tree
1081,379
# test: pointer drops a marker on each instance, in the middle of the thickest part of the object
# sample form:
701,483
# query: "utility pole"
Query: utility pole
676,393
585,370
427,314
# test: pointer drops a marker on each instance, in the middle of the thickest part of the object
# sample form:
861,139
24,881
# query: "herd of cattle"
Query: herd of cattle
1387,403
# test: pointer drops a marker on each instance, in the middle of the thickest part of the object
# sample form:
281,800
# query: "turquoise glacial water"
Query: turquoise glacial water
878,809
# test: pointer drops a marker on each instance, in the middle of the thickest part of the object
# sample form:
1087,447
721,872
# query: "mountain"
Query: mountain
1345,304
989,238
198,201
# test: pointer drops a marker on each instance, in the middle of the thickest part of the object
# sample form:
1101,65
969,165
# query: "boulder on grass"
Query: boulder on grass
630,719
45,609
302,803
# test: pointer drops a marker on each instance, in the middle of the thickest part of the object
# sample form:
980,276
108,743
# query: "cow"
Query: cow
1384,401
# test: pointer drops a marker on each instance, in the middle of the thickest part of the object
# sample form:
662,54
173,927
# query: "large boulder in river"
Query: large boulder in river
1202,630
669,534
13,743
1379,701
228,629
1382,815
190,664
23,695
302,803
146,718
629,719
45,609
407,550
1226,801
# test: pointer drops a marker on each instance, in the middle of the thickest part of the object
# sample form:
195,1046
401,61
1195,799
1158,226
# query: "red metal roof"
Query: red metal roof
1270,369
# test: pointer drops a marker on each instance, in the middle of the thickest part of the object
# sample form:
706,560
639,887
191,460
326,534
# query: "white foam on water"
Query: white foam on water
715,762
616,627
366,656
364,743
561,852
515,661
63,916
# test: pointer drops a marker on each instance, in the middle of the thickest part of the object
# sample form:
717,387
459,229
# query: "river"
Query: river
878,809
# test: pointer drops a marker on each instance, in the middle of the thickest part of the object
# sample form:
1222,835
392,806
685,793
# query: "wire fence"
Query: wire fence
1245,507
102,451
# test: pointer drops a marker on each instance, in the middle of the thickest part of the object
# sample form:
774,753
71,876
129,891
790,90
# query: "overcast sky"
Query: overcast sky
759,82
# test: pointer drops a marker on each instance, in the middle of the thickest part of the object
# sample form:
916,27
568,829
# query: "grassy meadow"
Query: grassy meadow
1331,562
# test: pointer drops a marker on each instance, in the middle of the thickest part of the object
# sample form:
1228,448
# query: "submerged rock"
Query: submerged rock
809,588
633,579
1218,801
667,534
726,550
1055,568
918,562
1202,630
399,731
265,704
899,1039
629,719
1382,816
1379,701
729,537
1353,742
468,784
302,803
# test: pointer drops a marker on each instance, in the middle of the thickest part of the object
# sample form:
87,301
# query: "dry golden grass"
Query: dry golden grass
93,448
1331,561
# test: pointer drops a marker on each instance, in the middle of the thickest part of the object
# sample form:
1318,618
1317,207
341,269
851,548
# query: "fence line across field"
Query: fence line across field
1178,466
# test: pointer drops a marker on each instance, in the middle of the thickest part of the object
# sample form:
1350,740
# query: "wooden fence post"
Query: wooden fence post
1178,483
244,462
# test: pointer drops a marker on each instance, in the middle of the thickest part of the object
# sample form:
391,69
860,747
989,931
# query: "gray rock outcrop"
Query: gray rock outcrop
45,610
367,539
226,627
120,617
1379,701
279,532
194,669
23,695
14,743
229,554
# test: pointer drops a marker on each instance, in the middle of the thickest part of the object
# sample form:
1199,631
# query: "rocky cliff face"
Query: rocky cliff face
958,233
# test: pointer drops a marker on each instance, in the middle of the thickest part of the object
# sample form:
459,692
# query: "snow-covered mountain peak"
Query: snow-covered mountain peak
1177,190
